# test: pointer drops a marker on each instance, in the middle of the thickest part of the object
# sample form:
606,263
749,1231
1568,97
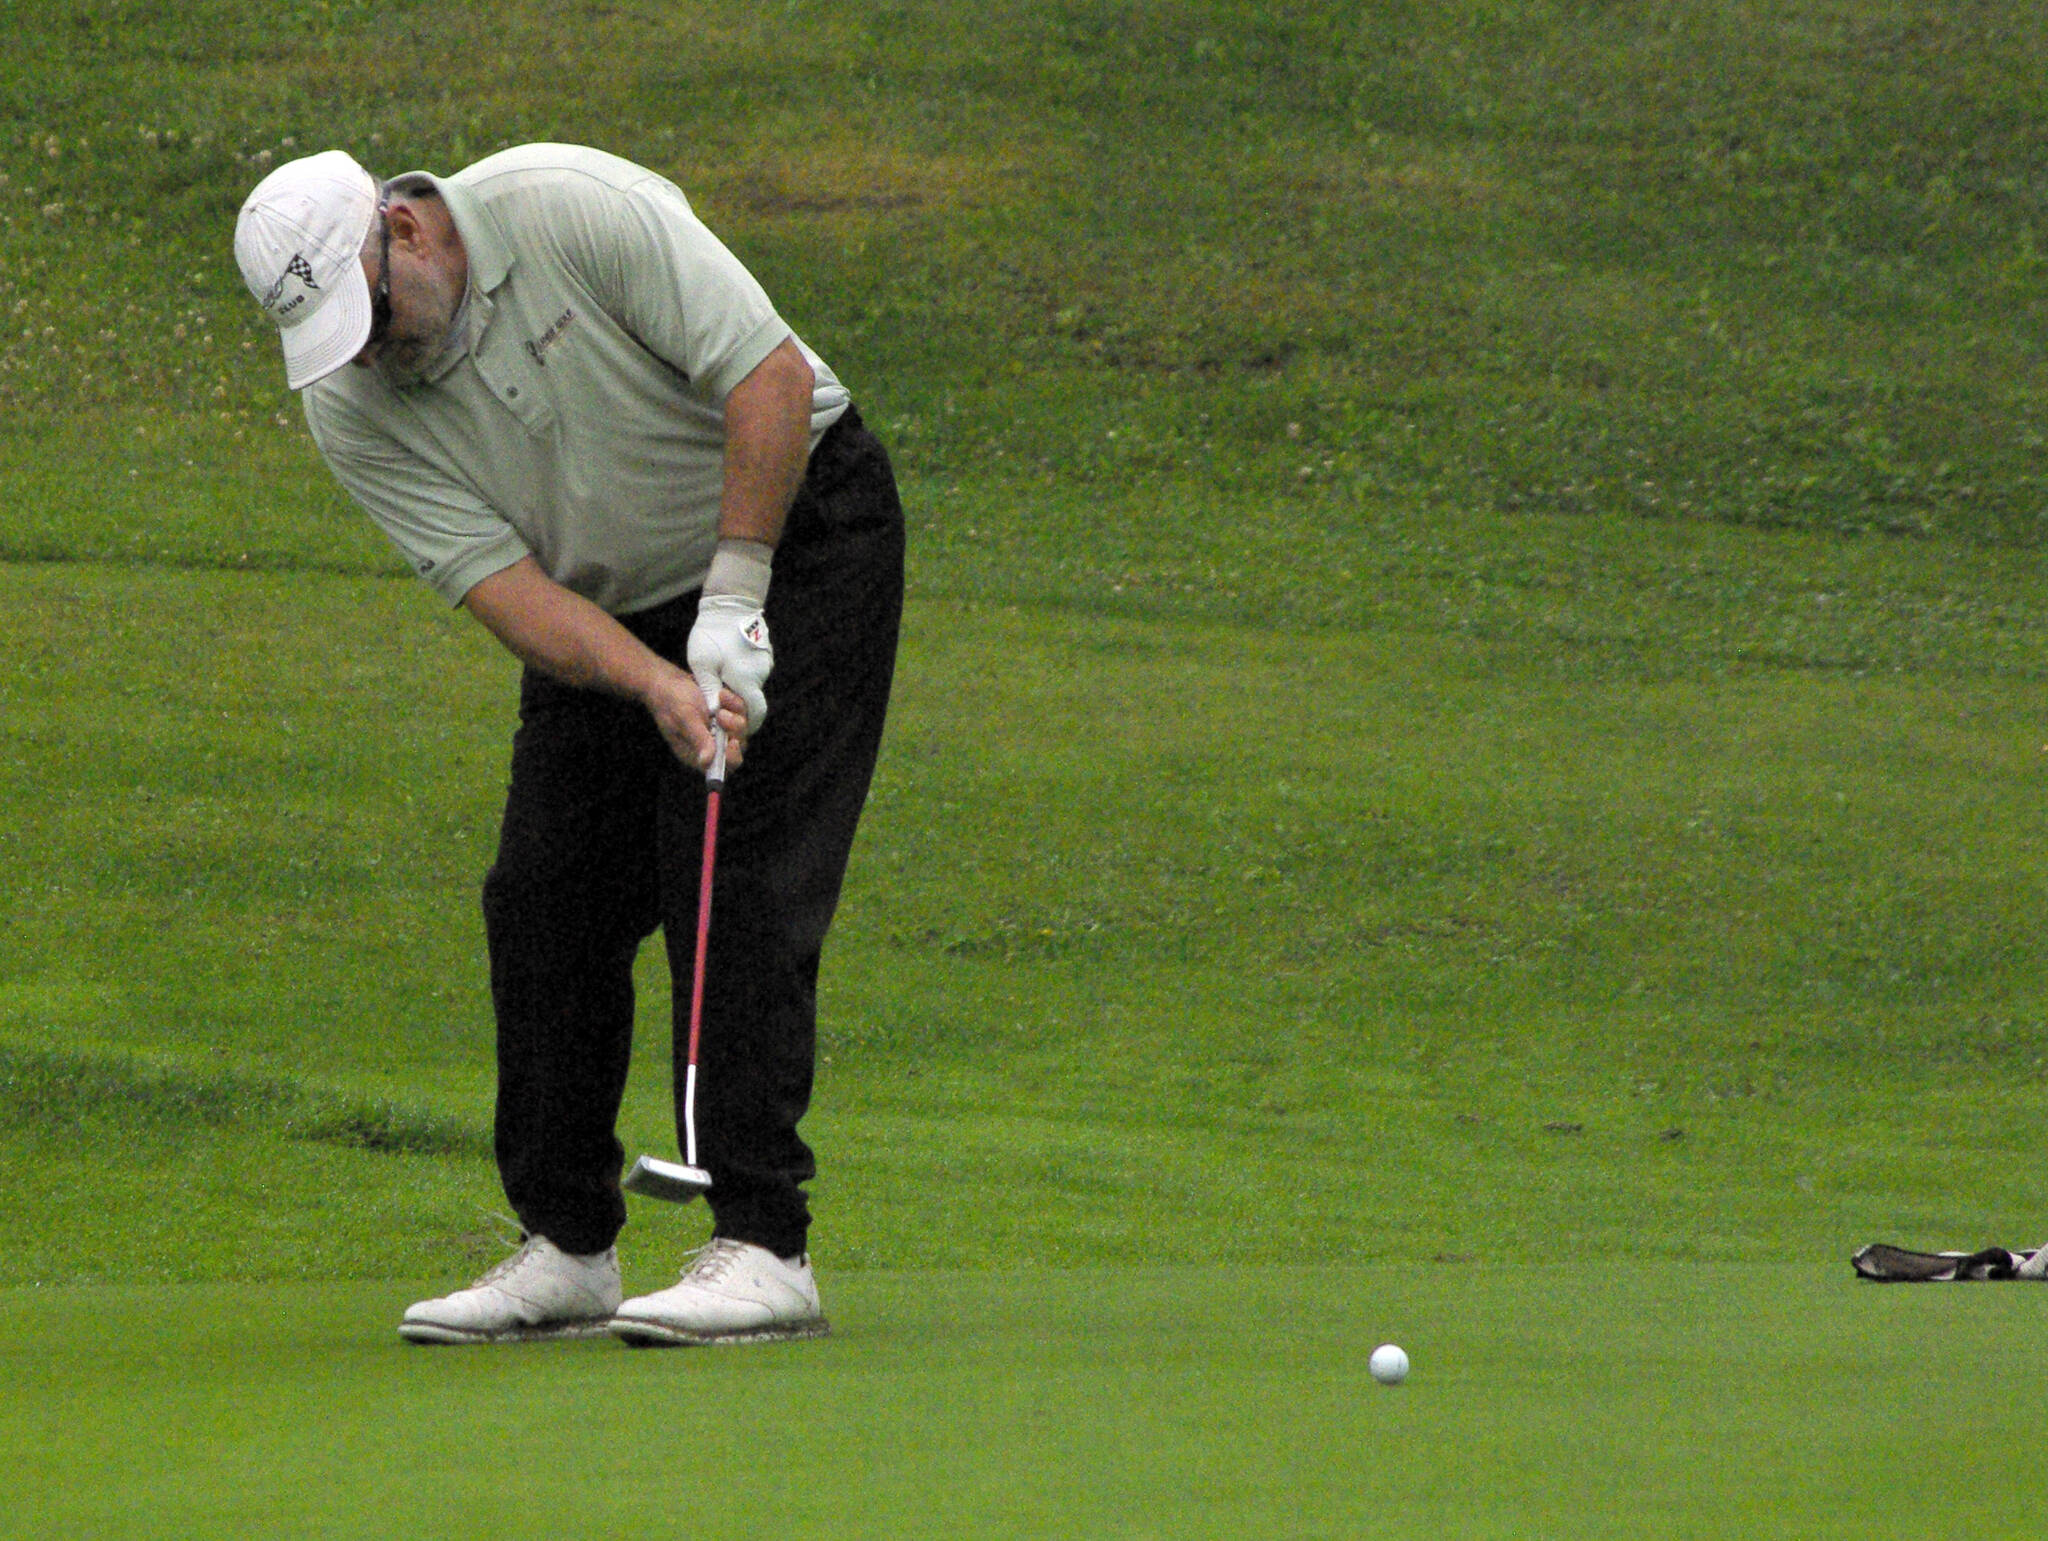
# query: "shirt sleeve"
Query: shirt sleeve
674,285
447,534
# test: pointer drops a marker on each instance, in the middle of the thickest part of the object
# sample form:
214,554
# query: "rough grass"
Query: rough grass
1771,267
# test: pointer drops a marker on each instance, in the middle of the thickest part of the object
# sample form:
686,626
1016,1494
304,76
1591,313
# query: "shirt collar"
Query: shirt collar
490,259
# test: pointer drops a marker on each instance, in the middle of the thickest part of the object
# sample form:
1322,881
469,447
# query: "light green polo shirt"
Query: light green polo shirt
577,413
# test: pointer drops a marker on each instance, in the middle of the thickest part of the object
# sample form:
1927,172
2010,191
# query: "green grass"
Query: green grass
1471,695
1718,916
1139,1402
1778,267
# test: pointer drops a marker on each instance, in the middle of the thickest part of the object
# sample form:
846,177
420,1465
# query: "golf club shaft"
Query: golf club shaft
714,785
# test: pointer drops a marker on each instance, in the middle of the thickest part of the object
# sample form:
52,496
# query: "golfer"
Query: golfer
576,415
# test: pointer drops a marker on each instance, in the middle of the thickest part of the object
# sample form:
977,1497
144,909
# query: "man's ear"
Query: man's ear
407,228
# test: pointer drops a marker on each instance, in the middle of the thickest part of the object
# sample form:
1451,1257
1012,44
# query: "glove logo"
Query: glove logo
756,631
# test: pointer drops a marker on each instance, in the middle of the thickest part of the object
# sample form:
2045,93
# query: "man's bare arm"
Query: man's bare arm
767,445
564,635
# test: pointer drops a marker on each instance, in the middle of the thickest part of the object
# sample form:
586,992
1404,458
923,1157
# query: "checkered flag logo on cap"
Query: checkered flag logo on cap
298,268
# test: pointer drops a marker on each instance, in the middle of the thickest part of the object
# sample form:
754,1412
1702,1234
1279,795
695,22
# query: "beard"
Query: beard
437,305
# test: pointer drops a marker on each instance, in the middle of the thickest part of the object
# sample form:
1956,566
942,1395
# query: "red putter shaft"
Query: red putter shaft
665,1179
714,785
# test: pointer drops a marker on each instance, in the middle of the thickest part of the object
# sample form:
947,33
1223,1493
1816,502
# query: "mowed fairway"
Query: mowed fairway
1579,1401
1468,769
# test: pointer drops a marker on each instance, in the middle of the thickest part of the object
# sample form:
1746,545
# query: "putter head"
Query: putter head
654,1178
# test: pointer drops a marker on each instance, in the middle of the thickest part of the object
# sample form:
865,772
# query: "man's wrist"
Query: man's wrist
654,679
741,569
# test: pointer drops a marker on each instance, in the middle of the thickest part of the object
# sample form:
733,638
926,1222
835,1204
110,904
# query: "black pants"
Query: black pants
602,843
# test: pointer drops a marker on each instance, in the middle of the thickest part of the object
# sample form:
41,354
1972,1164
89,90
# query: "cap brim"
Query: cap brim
335,333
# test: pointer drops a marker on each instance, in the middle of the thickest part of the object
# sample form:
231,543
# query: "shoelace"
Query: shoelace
506,1266
710,1262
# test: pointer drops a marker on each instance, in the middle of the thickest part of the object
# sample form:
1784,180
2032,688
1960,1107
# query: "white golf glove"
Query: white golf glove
729,645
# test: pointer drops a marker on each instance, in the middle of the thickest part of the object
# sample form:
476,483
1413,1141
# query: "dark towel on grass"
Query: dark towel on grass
1895,1265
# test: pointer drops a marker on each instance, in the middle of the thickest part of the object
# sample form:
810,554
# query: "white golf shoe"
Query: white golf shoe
732,1292
538,1292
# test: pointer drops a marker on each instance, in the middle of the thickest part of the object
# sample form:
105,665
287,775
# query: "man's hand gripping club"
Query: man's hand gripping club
729,651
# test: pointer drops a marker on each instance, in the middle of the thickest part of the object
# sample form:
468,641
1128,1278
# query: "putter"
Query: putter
651,1177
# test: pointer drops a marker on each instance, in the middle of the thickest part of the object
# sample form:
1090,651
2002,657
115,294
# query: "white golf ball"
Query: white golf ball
1389,1364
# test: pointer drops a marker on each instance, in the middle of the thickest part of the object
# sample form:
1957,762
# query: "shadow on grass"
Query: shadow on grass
57,1090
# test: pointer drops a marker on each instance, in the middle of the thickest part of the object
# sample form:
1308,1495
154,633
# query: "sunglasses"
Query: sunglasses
380,297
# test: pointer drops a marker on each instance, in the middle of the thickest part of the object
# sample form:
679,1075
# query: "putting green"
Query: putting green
1182,1402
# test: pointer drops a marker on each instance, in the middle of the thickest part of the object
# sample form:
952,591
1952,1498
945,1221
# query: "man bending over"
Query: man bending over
578,416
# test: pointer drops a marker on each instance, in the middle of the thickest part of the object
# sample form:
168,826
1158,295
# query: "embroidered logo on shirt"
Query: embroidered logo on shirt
537,349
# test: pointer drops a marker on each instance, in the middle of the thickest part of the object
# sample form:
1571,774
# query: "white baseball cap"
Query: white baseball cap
298,242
